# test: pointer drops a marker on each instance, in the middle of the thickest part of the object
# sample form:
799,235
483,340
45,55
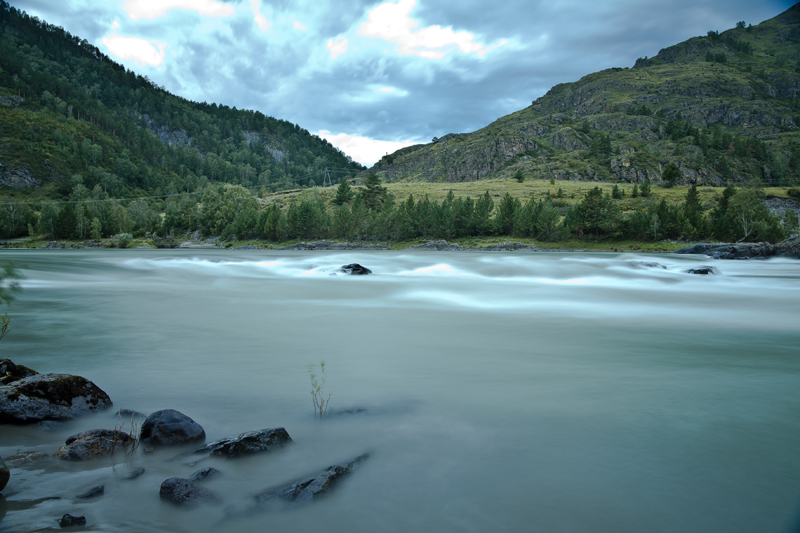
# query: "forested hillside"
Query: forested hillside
722,107
74,123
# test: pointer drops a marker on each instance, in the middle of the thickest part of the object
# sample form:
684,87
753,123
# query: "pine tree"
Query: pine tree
343,193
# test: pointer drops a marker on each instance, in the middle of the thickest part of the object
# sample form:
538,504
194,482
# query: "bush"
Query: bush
121,240
793,193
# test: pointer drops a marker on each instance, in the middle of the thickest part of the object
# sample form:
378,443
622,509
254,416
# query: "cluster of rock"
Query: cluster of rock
27,396
749,250
444,246
16,177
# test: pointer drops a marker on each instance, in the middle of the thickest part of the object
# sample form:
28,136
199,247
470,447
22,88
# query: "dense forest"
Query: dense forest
83,127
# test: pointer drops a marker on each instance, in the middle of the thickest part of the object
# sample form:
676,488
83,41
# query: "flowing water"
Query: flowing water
501,392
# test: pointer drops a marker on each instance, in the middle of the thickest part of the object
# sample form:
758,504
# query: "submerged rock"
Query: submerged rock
94,492
136,473
169,427
69,521
311,488
264,440
704,271
186,492
354,269
93,444
205,473
49,397
23,459
5,475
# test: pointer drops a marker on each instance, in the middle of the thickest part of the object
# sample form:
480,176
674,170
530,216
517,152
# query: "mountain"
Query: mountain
722,107
70,116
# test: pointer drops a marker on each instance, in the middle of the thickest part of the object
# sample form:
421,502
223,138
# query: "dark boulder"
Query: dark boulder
9,372
169,427
745,250
186,492
264,440
49,397
788,248
93,444
5,475
205,473
704,271
94,492
69,521
354,269
313,487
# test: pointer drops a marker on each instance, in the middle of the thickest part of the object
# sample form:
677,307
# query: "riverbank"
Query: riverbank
788,248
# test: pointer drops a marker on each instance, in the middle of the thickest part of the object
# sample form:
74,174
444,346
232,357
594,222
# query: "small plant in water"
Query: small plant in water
128,447
318,392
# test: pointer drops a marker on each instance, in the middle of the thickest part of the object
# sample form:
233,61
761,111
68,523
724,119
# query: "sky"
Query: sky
372,77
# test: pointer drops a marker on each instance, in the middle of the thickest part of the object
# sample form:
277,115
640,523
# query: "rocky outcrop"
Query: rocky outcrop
16,178
170,427
11,101
354,269
93,444
186,493
5,475
788,248
264,440
311,488
749,250
49,397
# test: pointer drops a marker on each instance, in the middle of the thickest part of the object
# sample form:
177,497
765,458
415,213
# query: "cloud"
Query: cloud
392,22
337,46
299,26
152,9
261,20
363,149
115,25
139,50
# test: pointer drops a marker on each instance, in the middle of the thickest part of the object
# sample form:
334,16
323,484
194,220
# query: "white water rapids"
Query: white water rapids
501,391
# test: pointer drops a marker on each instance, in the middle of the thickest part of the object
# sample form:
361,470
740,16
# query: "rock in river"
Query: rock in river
93,444
5,475
69,521
168,427
37,397
354,269
186,492
311,488
704,270
264,440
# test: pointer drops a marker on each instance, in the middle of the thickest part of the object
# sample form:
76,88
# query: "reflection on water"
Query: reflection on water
516,392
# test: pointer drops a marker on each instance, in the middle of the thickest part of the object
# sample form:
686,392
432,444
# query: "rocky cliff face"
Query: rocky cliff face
742,82
16,178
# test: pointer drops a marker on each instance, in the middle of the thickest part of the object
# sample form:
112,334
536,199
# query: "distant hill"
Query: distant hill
70,115
722,107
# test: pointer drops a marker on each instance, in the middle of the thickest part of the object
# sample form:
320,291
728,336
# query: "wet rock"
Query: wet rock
354,269
9,372
49,397
331,245
264,440
93,444
69,521
205,473
441,246
704,271
311,488
5,475
136,473
169,427
127,414
94,492
186,492
645,264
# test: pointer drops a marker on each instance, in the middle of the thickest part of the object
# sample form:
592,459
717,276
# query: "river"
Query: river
553,392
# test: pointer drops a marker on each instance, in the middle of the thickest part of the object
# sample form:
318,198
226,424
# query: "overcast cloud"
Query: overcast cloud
374,76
